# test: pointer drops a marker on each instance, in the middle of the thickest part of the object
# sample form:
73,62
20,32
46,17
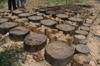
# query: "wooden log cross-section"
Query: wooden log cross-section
3,20
78,38
16,12
25,15
81,32
6,27
53,13
82,49
35,19
85,28
48,23
18,33
80,60
67,29
35,42
79,21
58,53
62,16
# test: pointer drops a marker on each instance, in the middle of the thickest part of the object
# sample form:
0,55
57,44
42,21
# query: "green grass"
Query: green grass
1,6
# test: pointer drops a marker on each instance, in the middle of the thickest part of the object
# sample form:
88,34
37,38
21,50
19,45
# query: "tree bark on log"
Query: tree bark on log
60,55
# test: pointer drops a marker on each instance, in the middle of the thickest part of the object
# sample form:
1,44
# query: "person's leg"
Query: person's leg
9,4
23,2
18,4
14,4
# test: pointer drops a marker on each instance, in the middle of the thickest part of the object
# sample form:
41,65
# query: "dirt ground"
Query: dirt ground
93,37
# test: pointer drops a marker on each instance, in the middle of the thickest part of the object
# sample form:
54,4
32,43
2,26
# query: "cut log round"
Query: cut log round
0,17
80,60
60,55
87,65
85,28
6,27
17,12
3,20
18,33
83,42
82,49
35,42
67,29
62,16
25,15
78,38
78,20
79,11
42,10
87,25
53,13
48,23
81,32
35,19
50,8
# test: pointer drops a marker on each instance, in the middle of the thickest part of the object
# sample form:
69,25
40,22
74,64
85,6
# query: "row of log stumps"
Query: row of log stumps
45,24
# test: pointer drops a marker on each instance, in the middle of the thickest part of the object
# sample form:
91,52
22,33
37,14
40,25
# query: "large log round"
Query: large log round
67,29
80,60
35,42
79,21
25,15
81,32
16,12
82,49
6,27
85,28
3,20
53,13
35,19
78,38
18,33
58,53
48,23
62,16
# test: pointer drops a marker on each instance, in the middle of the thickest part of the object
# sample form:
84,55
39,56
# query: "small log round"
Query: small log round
25,15
80,48
42,10
60,55
35,42
77,38
62,16
80,60
67,29
87,65
53,13
79,21
87,25
17,12
81,32
85,28
18,33
6,27
35,19
84,42
79,11
3,20
48,23
50,8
